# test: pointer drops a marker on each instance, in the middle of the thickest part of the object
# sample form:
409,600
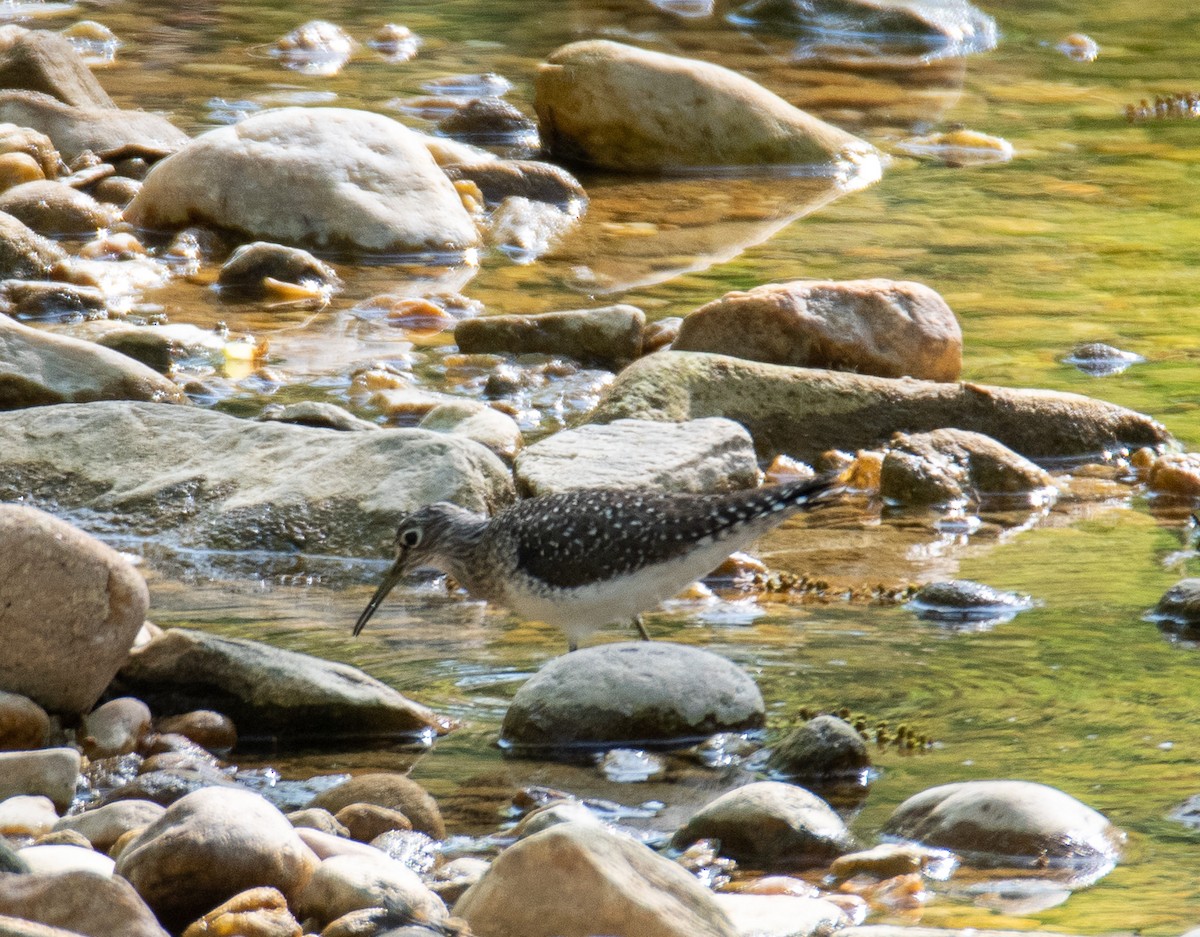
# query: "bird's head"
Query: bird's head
435,535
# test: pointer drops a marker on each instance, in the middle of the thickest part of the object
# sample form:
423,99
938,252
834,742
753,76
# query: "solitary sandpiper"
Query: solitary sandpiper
586,558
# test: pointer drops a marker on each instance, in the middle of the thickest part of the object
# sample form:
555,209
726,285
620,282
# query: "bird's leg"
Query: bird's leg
637,623
572,645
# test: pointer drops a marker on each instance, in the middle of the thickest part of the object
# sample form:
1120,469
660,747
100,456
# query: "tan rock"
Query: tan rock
50,772
27,815
56,859
23,723
619,107
71,608
116,728
53,208
394,791
320,819
366,821
475,420
46,62
259,912
109,905
210,730
343,884
805,411
212,845
37,146
324,177
888,328
576,880
103,826
24,252
16,168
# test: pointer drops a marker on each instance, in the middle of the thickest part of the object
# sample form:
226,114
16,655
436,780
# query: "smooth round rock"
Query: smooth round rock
824,747
59,859
1179,606
314,176
104,825
576,878
53,208
116,728
393,791
317,818
208,847
210,730
770,825
23,723
610,335
342,884
631,694
251,264
1014,822
63,645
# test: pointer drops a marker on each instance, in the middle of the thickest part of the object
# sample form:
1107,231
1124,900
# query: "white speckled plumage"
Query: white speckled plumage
584,559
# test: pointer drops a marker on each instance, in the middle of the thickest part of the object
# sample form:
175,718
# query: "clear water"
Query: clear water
1089,234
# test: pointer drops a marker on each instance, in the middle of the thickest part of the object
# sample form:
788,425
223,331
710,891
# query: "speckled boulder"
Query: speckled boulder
891,328
770,825
577,879
646,692
70,608
210,846
1011,822
311,176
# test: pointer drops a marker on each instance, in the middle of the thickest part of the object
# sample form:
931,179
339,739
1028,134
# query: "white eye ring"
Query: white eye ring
409,538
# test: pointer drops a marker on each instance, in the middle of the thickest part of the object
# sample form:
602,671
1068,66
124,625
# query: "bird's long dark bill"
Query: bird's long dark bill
393,576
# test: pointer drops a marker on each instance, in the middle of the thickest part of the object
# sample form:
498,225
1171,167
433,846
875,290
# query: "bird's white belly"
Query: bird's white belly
582,610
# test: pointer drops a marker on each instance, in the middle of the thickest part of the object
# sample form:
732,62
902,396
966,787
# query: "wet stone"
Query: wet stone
244,272
210,730
391,791
609,335
539,182
53,208
23,252
116,190
67,899
961,601
23,723
1100,360
47,299
115,728
490,120
258,912
103,826
1179,607
166,786
1014,823
46,62
342,884
630,695
365,822
824,747
770,825
316,413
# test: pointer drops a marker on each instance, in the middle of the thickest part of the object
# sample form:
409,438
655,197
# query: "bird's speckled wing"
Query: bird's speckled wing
599,534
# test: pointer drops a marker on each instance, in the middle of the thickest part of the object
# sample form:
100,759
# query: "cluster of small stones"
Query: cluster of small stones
1184,106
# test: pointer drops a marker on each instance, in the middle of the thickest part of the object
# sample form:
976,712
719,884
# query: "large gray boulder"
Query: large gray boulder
39,368
615,106
270,692
578,879
206,478
805,411
311,176
70,608
647,692
698,456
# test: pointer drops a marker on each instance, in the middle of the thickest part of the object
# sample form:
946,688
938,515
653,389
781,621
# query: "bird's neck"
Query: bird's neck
461,555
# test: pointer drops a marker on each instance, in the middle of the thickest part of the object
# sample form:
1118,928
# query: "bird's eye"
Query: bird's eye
409,538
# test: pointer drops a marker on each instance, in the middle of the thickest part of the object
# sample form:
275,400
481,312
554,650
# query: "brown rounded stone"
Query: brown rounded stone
395,791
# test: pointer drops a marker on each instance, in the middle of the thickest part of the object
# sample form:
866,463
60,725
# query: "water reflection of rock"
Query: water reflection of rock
642,231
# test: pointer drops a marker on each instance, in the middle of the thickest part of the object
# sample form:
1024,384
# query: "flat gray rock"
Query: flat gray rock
270,692
698,456
630,695
202,479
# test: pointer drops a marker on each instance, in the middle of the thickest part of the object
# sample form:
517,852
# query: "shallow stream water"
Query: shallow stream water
1088,234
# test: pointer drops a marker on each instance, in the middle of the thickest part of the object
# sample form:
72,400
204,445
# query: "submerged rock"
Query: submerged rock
618,107
283,175
610,334
770,825
39,368
578,878
53,208
630,695
804,412
949,465
210,846
271,692
237,484
490,121
72,607
247,269
888,328
1015,823
1179,607
318,414
961,601
699,456
824,747
536,181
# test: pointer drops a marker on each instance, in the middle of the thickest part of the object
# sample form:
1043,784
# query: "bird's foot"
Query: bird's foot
637,623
